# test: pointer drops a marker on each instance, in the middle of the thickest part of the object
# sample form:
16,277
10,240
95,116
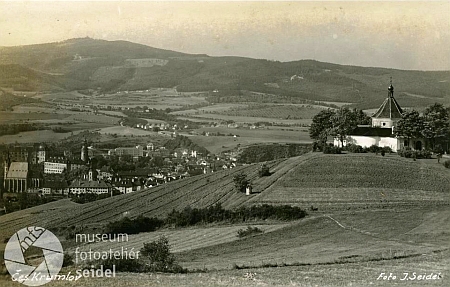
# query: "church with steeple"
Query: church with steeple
381,132
389,112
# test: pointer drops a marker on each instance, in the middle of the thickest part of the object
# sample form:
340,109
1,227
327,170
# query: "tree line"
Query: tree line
337,123
433,125
212,214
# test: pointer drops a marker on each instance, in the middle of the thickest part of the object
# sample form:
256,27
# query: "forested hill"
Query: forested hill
110,66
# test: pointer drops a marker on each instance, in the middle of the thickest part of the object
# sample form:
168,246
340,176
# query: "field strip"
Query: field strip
281,172
183,239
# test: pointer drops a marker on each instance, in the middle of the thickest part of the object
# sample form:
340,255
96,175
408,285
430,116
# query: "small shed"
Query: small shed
248,189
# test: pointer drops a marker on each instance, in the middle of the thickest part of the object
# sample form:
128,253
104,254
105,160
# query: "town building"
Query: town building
55,187
55,165
135,152
19,177
95,187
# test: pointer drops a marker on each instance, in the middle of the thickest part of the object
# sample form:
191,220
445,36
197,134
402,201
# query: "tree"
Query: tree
343,123
361,117
321,125
240,181
158,253
410,125
436,125
264,170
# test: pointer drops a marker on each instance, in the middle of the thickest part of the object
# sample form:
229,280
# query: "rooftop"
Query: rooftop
390,108
18,170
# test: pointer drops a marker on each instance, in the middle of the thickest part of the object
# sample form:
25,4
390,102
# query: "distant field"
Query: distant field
34,137
125,131
61,97
12,117
152,98
92,118
113,113
244,119
246,137
210,109
275,111
33,109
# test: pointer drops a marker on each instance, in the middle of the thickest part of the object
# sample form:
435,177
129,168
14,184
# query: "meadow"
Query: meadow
275,111
245,119
18,117
34,137
349,274
245,137
125,131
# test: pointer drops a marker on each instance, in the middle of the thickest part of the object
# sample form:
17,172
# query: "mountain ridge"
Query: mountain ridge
109,66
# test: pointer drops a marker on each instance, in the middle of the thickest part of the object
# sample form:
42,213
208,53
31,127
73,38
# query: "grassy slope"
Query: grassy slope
351,274
360,181
340,237
317,240
205,190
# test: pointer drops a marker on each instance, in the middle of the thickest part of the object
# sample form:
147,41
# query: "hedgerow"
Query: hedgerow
330,149
215,213
417,154
134,226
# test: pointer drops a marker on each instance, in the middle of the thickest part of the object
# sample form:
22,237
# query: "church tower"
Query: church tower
7,163
84,151
41,154
389,112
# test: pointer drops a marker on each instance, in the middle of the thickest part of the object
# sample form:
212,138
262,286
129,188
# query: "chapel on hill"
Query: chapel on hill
381,132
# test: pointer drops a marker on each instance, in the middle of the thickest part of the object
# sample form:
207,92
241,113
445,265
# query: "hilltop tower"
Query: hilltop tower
389,112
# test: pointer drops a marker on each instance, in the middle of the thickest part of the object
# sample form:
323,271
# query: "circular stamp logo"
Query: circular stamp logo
33,256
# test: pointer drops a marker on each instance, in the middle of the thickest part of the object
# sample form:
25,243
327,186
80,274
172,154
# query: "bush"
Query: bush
249,231
330,149
264,171
374,149
134,226
159,257
240,182
386,149
416,154
355,148
447,163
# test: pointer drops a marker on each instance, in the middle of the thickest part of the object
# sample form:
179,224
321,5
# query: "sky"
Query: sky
401,35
